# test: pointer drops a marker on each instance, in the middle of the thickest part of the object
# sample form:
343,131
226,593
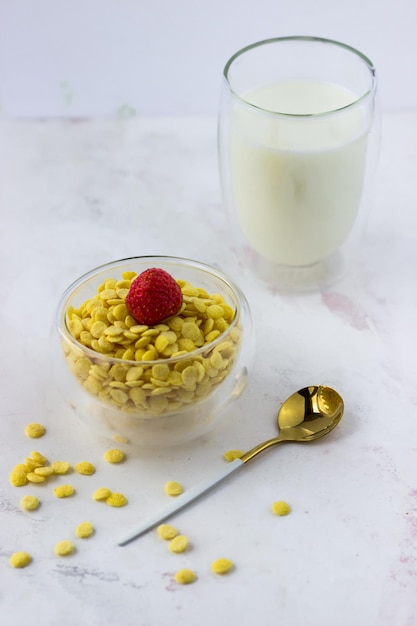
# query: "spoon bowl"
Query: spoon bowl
309,414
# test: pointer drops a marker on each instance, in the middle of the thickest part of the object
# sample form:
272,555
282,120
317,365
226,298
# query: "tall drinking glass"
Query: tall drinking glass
297,147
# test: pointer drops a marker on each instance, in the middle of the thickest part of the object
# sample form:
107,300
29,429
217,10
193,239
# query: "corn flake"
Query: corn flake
231,455
179,544
64,548
61,467
101,494
221,566
185,576
114,456
173,488
35,430
29,503
116,500
45,470
85,468
64,491
281,508
18,476
167,532
20,559
84,530
35,478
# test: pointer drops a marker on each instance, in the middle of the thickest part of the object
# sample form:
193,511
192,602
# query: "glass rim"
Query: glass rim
64,333
368,94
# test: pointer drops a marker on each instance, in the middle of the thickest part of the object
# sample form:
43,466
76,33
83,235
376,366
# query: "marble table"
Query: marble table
78,193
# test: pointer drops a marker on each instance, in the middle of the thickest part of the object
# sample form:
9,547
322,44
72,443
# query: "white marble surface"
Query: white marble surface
75,194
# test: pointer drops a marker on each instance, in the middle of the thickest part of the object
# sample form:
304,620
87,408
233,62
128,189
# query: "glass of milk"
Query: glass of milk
297,146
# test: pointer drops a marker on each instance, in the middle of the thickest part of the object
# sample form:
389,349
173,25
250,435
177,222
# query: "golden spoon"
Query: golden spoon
309,414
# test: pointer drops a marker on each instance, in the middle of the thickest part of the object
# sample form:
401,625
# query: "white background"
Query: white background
165,57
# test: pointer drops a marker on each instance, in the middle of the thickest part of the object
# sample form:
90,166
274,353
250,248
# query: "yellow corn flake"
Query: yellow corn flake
64,491
45,470
231,455
23,467
18,476
221,566
35,478
34,430
179,544
189,376
75,327
61,467
37,456
120,439
29,503
101,494
84,530
167,532
173,488
185,576
281,508
128,275
216,360
32,463
215,311
116,499
191,331
98,328
64,548
114,456
85,468
20,559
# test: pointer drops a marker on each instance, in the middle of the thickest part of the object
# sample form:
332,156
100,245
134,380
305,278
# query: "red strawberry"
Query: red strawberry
153,296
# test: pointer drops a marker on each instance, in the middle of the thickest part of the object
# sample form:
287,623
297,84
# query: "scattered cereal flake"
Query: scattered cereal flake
101,494
37,456
61,467
35,478
114,456
116,499
85,468
64,491
29,503
221,566
45,470
32,463
179,544
84,530
18,476
20,559
172,488
120,439
185,576
64,548
281,508
34,430
167,532
231,455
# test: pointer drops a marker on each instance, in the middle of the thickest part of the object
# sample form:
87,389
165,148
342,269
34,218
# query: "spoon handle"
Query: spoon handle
261,447
181,501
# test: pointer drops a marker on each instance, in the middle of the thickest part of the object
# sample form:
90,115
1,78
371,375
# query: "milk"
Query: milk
297,181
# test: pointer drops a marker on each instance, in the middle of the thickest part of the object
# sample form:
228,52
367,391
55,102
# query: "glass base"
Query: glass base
296,278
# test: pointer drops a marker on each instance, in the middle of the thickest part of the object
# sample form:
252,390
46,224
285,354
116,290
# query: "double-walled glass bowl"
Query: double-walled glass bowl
154,392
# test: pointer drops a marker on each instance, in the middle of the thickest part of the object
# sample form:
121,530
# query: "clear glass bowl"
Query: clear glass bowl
161,401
